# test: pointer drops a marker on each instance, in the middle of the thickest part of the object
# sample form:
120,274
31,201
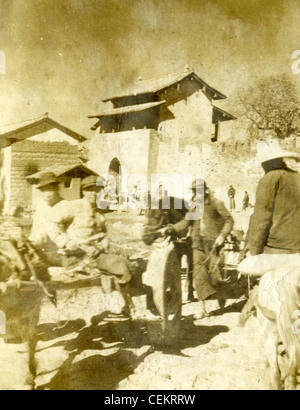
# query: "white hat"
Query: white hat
269,150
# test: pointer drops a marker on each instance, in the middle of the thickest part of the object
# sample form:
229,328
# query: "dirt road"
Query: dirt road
210,354
81,348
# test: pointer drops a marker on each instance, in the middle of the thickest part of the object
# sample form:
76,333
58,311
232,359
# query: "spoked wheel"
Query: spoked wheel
164,276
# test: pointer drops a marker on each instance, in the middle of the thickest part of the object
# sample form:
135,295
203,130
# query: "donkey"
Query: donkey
22,287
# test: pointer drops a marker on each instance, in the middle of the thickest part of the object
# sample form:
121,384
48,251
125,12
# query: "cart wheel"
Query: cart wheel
165,277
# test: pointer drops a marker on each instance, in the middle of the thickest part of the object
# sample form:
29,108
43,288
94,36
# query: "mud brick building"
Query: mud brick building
32,147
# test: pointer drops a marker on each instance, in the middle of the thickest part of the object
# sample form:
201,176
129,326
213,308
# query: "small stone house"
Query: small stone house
31,147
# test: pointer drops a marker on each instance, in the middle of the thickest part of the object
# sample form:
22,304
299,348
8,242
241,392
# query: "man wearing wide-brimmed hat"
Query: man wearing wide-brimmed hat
48,185
275,224
81,234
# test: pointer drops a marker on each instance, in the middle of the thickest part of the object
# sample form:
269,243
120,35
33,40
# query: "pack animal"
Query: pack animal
22,288
277,301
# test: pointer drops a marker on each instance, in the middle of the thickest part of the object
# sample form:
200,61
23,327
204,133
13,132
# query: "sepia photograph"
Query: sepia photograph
149,197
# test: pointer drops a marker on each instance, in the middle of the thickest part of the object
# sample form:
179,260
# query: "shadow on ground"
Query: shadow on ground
119,348
233,308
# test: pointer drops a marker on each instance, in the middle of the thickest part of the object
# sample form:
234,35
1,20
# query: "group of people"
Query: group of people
73,234
232,203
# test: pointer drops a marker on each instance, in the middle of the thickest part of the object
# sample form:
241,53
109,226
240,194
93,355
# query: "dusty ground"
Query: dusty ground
79,348
210,354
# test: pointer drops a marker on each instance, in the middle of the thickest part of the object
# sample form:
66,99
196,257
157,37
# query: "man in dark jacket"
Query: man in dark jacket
208,236
275,224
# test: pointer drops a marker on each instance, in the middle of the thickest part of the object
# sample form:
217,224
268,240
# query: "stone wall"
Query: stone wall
145,152
136,150
29,157
222,164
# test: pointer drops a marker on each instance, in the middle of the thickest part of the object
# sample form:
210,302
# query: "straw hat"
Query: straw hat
46,179
270,150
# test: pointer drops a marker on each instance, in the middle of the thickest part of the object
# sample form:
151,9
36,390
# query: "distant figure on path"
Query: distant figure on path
246,201
231,196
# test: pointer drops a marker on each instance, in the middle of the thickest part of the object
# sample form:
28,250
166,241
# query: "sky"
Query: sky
64,56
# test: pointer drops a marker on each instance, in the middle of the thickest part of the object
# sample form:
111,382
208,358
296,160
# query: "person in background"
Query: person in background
231,196
246,201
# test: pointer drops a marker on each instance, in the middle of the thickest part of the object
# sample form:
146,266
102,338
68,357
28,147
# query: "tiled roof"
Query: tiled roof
221,115
129,109
59,170
160,84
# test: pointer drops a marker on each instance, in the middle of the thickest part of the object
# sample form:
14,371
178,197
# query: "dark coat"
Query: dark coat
231,192
276,219
216,221
159,218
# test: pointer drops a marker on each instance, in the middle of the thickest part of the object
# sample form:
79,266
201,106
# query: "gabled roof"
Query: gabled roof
59,170
30,128
220,115
160,84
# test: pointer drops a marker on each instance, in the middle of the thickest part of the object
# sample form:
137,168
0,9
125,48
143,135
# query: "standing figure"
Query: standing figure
208,236
246,201
231,196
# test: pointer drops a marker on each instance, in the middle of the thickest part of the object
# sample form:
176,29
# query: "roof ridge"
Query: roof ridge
19,127
154,85
166,76
42,117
